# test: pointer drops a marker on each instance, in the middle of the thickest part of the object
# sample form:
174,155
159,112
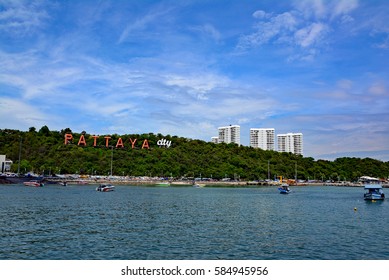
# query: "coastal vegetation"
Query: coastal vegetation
44,152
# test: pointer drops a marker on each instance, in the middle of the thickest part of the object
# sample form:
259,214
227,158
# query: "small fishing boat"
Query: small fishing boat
197,185
105,188
373,192
284,189
33,183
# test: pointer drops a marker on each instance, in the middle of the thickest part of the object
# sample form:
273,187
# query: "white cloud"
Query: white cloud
278,26
345,84
21,115
342,7
20,18
154,16
325,9
199,84
259,14
210,31
311,8
378,89
310,35
305,28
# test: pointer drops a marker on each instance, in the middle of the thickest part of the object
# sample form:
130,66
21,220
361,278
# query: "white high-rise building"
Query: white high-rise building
290,143
262,138
229,134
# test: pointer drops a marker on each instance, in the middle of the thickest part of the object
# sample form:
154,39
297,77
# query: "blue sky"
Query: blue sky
186,68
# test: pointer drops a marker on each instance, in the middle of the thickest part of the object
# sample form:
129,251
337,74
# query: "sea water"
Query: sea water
75,222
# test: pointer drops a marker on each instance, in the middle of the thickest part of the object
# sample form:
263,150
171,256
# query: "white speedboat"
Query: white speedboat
105,188
33,183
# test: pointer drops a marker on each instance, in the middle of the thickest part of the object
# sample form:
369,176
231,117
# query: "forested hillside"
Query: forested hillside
45,151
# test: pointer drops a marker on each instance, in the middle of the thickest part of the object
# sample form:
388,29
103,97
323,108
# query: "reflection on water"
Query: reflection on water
76,222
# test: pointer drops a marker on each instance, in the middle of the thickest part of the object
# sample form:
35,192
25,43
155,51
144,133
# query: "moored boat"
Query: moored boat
284,189
373,192
33,183
22,179
163,184
105,188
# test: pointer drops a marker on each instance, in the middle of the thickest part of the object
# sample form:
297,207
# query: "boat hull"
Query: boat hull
373,192
20,179
284,192
374,196
33,184
163,184
105,188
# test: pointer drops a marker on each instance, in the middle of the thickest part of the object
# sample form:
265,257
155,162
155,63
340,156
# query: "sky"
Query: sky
185,68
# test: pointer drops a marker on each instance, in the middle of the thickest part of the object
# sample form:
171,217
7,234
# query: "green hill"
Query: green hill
45,151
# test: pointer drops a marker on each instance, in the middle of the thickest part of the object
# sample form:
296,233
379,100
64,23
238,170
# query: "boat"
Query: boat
105,188
33,183
197,185
163,184
373,192
284,189
22,179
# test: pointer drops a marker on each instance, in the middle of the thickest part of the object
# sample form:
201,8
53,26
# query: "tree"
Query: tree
44,130
46,149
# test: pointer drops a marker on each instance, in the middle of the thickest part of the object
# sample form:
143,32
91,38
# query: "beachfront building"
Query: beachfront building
215,139
229,134
290,143
262,138
5,164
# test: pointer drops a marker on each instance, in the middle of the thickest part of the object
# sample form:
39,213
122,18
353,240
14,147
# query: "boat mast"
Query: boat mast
111,159
20,152
295,172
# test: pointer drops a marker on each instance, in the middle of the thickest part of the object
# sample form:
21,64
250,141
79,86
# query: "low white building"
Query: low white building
5,164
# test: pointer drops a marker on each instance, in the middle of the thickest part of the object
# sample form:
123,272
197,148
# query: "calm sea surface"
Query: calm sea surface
185,223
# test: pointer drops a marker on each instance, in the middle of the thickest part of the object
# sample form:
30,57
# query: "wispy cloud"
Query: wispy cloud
24,115
305,28
209,31
155,16
317,67
20,18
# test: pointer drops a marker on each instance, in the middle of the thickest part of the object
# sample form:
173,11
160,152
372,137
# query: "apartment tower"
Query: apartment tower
262,138
290,143
229,134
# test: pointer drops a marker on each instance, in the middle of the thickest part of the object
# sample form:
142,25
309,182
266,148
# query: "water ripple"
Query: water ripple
187,223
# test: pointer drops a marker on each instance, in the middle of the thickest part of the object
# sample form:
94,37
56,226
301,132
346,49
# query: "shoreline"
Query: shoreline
179,183
183,183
